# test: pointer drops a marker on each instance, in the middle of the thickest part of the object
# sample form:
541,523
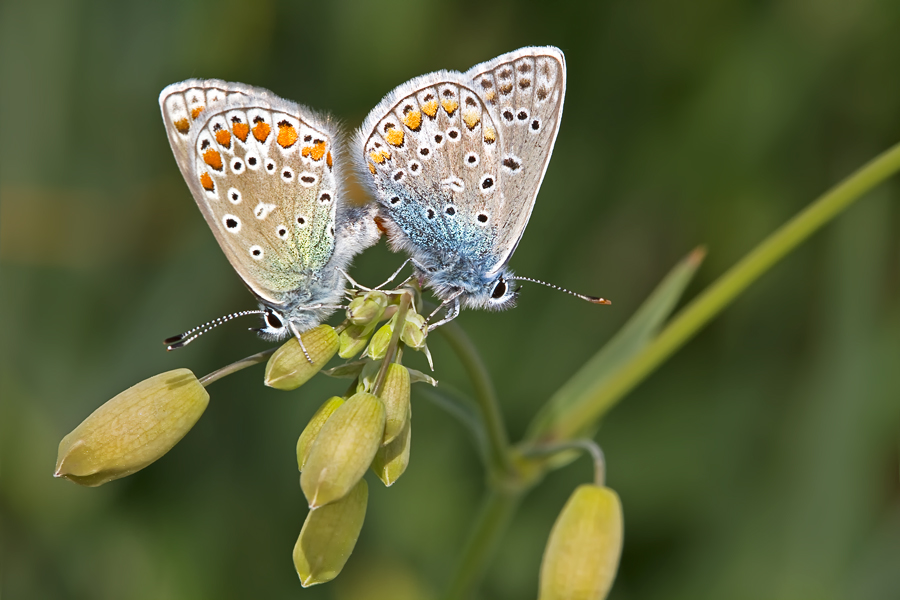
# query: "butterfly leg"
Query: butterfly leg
302,347
452,311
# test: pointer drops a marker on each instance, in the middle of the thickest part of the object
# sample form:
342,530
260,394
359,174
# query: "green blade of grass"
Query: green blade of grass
631,339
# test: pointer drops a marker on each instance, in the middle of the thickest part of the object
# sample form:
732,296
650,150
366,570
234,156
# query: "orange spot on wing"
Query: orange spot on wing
261,131
450,106
213,159
183,126
471,118
241,130
223,138
328,160
490,136
371,168
207,182
287,135
430,108
491,96
380,156
195,112
413,120
316,151
394,137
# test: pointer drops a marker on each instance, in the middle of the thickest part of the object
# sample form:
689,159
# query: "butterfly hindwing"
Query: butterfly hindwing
261,170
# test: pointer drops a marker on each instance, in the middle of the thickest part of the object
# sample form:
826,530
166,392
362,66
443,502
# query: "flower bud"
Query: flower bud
289,368
311,431
395,395
329,535
353,339
343,450
414,331
582,554
133,429
380,341
391,460
367,308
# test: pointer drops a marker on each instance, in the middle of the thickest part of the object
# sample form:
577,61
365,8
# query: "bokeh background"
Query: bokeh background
761,461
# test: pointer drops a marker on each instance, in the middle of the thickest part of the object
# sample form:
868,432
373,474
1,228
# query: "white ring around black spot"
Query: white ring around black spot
487,184
425,152
287,174
453,134
471,160
482,219
301,221
271,167
282,232
256,252
415,167
234,196
237,166
307,179
253,161
232,223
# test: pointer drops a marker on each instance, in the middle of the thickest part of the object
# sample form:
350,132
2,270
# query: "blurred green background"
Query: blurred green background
761,461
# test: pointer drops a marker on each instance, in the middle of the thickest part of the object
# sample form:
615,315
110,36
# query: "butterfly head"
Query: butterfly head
497,293
274,325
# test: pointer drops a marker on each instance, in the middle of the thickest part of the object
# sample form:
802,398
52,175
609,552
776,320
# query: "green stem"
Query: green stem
586,444
237,366
496,513
585,413
485,395
393,345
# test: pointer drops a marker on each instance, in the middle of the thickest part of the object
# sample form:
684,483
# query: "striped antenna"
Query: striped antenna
180,341
591,299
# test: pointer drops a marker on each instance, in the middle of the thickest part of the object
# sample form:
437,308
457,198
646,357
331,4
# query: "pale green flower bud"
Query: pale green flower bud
133,429
380,341
353,339
343,450
329,535
414,331
395,395
391,460
289,368
368,308
582,554
311,431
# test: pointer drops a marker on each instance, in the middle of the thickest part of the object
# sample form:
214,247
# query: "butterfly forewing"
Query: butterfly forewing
524,92
263,176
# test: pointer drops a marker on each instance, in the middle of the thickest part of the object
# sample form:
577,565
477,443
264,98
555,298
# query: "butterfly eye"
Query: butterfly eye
499,289
273,321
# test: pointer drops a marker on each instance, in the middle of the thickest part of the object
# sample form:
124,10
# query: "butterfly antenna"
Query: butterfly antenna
591,299
180,341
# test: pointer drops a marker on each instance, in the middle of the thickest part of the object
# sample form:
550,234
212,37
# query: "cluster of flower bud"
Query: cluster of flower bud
369,429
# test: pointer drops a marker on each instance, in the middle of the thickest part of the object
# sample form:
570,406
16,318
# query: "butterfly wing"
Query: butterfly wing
261,170
524,91
455,160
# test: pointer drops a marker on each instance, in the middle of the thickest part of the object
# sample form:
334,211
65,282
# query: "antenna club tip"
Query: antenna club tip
601,301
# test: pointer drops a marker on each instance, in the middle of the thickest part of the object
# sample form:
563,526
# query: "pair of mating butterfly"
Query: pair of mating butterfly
454,160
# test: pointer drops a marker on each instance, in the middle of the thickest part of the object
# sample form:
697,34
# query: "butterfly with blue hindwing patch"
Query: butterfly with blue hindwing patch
455,162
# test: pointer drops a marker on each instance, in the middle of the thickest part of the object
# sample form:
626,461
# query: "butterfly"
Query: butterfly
455,162
266,174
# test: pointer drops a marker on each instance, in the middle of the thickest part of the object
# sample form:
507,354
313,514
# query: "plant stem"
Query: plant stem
586,444
497,510
586,412
486,396
399,324
237,366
